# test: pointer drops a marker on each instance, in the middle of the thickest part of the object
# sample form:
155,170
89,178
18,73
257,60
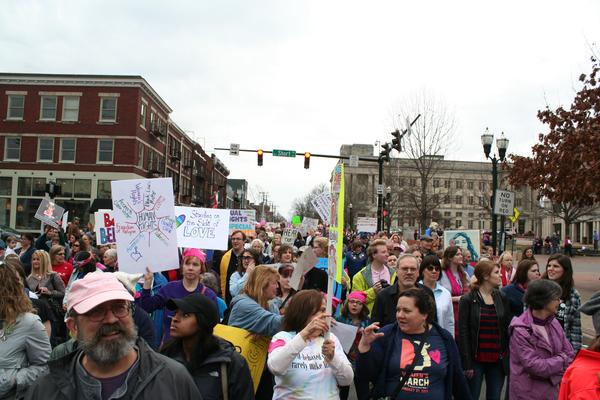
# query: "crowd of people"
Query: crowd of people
431,322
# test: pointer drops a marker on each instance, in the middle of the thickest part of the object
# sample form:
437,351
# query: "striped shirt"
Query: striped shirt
488,345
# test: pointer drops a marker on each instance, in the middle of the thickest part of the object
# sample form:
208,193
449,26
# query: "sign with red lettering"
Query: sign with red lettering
105,227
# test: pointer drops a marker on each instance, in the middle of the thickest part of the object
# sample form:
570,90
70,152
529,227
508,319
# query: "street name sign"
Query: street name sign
284,153
505,202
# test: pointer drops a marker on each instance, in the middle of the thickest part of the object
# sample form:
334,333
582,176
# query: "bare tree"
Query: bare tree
302,206
570,213
424,149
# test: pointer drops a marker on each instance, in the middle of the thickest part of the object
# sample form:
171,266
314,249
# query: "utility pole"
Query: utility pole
264,196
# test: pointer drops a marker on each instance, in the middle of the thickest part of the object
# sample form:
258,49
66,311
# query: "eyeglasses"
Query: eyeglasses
99,313
433,268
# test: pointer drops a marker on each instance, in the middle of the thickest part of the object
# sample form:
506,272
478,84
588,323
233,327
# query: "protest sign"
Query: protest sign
145,225
308,224
65,221
345,334
252,349
49,213
366,224
322,204
242,220
465,239
105,227
307,260
296,220
336,233
202,228
289,235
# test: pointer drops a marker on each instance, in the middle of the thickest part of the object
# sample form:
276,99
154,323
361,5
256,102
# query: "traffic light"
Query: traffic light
396,145
259,153
307,160
385,153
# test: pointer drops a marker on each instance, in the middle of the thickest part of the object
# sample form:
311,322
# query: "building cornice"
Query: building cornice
126,81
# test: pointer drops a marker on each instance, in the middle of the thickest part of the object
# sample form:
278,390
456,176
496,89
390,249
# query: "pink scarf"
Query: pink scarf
456,287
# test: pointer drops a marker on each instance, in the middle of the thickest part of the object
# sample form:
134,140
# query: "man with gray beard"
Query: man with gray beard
111,362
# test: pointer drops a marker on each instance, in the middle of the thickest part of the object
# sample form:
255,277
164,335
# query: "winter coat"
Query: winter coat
572,324
363,280
580,381
155,377
372,366
247,314
384,309
514,293
536,366
469,310
23,355
208,377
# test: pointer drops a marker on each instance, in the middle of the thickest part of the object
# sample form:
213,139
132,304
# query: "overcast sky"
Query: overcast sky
313,75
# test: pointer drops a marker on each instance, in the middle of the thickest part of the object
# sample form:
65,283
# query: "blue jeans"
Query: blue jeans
494,380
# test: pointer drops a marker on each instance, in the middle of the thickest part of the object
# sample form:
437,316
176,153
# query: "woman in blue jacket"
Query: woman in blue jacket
412,357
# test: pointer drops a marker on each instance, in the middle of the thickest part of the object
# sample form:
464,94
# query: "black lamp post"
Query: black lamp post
501,144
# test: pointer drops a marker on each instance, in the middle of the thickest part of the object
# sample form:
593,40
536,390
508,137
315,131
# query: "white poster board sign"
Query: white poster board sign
202,228
50,213
322,204
65,221
305,263
145,225
366,224
242,220
465,239
308,224
288,236
105,227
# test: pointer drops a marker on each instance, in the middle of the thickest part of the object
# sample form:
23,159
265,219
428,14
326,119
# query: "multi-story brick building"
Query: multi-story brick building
82,132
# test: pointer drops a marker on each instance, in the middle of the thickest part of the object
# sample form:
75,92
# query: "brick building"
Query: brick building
82,132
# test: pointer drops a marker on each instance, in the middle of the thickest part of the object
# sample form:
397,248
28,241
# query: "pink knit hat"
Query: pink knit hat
195,253
358,295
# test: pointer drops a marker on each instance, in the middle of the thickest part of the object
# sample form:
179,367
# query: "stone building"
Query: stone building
458,193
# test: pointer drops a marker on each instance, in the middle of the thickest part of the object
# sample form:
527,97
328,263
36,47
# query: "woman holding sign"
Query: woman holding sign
304,363
192,268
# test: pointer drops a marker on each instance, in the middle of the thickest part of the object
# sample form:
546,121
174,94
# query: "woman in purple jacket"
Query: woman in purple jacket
539,349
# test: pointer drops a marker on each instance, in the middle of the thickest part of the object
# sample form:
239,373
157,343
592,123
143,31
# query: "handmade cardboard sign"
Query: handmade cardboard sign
202,228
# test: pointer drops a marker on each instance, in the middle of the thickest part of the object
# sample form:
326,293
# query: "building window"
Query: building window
31,187
470,224
143,112
459,214
447,184
436,183
82,188
482,186
471,215
105,150
518,202
108,109
140,162
471,200
459,184
16,107
470,185
104,191
413,181
458,199
12,149
481,201
447,214
26,209
5,185
447,199
46,149
48,108
70,111
458,223
67,149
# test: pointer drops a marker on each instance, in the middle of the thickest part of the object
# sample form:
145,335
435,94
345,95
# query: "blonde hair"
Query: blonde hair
501,258
45,264
257,282
54,250
322,242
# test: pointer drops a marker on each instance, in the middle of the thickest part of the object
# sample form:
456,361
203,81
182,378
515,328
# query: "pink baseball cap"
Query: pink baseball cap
94,289
195,253
358,295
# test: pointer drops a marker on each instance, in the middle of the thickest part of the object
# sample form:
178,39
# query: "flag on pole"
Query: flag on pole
340,230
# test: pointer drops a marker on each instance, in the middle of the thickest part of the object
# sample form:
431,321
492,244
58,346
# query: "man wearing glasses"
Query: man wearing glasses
111,361
230,261
407,272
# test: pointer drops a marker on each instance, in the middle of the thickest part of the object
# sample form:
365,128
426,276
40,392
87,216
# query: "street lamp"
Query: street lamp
501,144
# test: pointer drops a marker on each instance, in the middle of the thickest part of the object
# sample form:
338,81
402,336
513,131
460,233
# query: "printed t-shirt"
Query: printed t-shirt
308,376
427,381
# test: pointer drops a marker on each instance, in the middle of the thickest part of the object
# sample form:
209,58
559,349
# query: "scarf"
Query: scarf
456,287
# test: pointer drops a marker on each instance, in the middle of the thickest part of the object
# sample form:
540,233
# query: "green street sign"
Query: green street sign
284,153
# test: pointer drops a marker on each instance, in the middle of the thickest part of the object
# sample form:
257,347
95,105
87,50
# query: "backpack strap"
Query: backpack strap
224,383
